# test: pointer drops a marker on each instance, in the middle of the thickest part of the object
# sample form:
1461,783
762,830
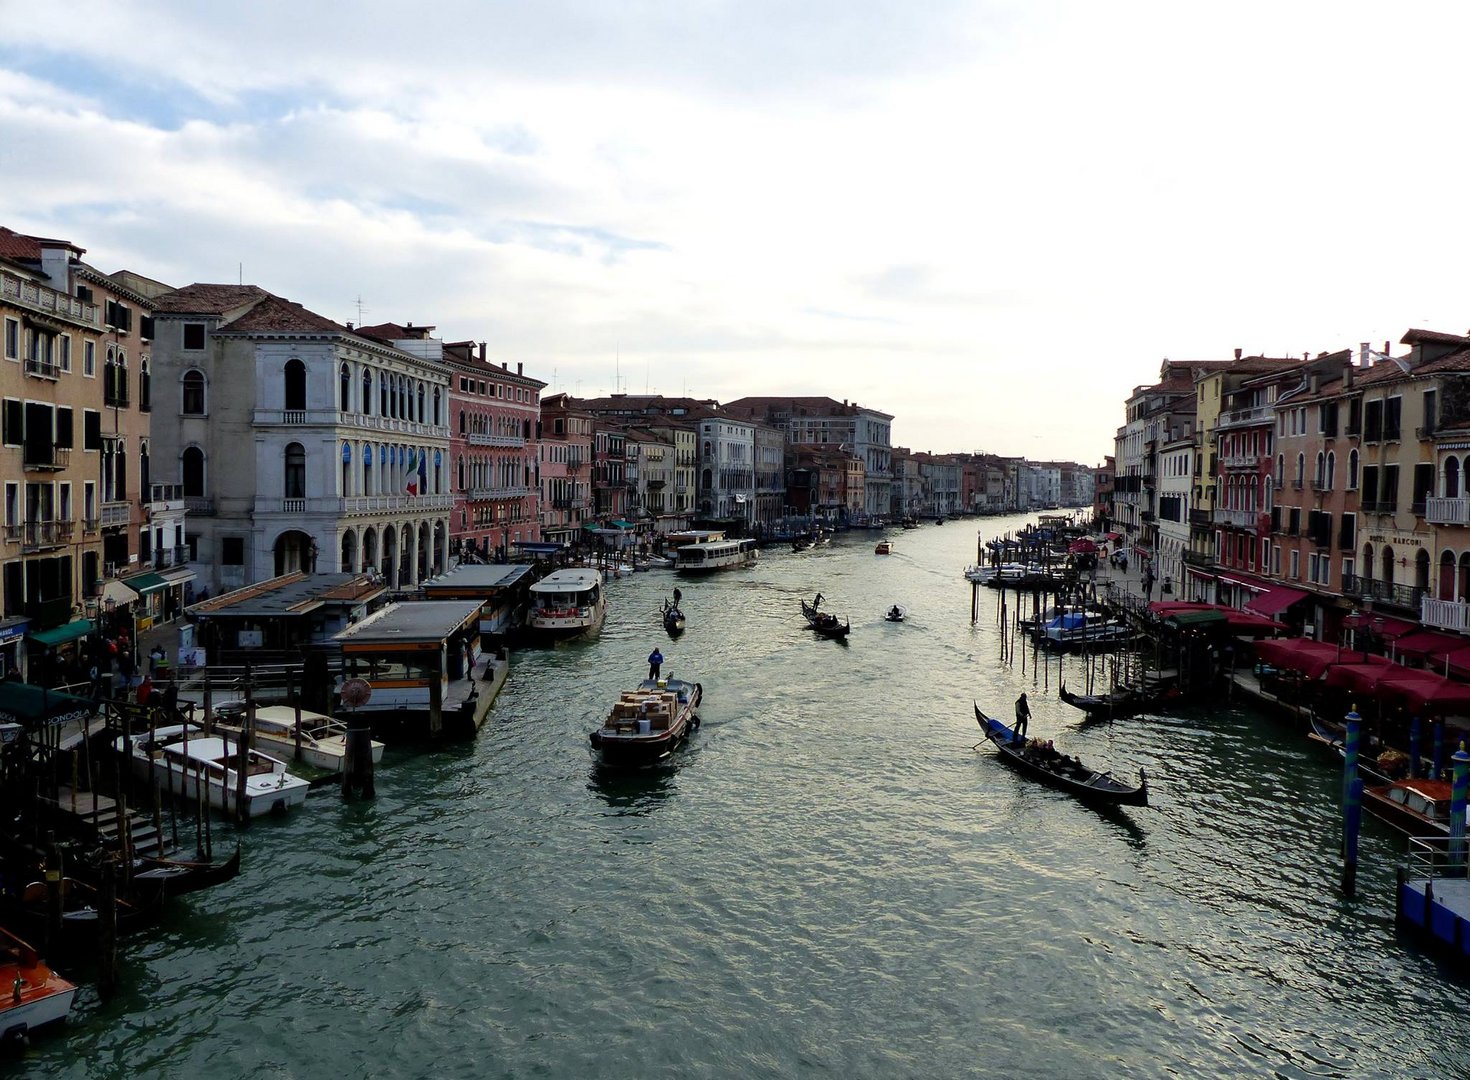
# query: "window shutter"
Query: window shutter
91,430
63,426
15,424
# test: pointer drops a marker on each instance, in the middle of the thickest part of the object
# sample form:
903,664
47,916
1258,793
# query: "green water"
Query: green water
829,881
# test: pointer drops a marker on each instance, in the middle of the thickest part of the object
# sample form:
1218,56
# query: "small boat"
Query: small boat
183,759
1086,628
1115,705
883,547
800,543
1040,760
181,876
939,521
826,625
646,725
1415,807
673,618
895,614
34,994
323,739
81,914
1004,573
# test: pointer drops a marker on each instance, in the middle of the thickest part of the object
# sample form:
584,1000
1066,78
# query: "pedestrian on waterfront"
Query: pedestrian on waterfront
655,661
1148,583
1023,716
155,658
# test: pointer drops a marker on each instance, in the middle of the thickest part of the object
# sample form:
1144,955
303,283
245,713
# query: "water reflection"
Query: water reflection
633,792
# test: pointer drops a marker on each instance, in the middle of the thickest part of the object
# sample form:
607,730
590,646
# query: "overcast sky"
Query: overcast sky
990,219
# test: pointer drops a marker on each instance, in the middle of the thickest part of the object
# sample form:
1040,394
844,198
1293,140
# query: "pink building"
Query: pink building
494,414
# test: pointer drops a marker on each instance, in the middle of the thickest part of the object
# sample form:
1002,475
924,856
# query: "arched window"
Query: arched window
1367,562
1301,469
367,391
437,414
405,410
193,393
367,470
1387,558
1280,470
344,389
421,403
346,470
461,474
1352,476
295,384
1320,477
295,471
1331,469
383,394
1452,478
145,479
145,386
191,469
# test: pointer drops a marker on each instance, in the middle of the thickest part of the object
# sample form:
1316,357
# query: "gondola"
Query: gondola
673,618
1116,705
181,876
1061,770
895,614
824,624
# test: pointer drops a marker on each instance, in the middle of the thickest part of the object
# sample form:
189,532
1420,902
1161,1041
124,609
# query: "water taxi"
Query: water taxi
567,603
883,547
715,555
648,724
282,730
182,759
34,994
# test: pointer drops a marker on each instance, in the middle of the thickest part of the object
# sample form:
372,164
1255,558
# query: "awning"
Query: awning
146,583
1387,628
1359,678
1428,643
1275,600
60,635
1310,657
1425,692
178,577
625,524
118,593
22,703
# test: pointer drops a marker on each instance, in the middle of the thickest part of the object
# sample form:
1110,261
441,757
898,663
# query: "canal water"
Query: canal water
830,881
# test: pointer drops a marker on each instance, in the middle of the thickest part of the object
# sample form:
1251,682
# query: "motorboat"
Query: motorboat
183,759
883,547
1415,807
1092,629
567,603
35,996
322,739
646,725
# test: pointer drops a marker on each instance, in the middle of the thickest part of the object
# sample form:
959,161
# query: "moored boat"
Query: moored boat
1114,705
34,994
1042,761
183,759
646,725
1085,628
1415,807
323,739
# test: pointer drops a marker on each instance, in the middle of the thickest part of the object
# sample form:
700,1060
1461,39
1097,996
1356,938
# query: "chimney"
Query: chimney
56,265
505,365
1363,359
482,352
1347,376
1237,354
520,367
1315,383
349,326
1387,348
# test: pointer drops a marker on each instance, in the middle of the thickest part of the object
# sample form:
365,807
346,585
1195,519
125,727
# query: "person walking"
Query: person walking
655,661
1023,716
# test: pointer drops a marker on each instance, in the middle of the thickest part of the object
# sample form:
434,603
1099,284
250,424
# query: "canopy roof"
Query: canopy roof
1311,658
22,703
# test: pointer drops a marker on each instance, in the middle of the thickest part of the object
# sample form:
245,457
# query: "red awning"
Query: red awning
1387,628
1428,643
1425,692
1275,600
1309,657
1360,678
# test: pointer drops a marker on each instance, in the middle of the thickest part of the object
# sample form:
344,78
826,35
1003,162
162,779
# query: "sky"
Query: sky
992,220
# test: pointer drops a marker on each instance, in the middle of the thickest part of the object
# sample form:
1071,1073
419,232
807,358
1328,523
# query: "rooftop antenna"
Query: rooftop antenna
360,308
617,368
242,273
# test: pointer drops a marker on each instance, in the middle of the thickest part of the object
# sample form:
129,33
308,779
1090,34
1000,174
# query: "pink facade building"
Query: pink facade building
494,415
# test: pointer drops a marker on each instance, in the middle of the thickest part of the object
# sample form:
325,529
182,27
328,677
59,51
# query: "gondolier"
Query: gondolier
1023,716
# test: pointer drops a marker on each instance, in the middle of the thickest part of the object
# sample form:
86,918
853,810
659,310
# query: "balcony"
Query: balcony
1404,597
46,457
202,505
1440,511
1238,519
486,494
39,535
1198,558
90,524
574,463
42,369
561,504
1240,461
1445,614
1201,517
479,438
34,296
1243,417
116,513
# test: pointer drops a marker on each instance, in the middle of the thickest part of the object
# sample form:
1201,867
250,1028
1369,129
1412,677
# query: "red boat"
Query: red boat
34,994
1416,807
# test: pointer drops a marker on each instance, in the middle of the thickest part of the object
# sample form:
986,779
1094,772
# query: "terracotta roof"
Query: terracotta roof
1456,361
203,299
1417,337
14,245
274,315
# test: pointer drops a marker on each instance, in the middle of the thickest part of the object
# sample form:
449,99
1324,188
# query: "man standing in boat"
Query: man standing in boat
1023,716
655,661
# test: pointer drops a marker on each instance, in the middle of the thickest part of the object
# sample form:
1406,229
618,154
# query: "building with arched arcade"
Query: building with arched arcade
301,444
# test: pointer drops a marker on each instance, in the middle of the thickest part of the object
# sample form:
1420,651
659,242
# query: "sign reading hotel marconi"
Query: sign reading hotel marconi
1396,539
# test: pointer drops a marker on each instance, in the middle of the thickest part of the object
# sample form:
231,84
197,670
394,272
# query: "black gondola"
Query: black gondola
824,624
1116,705
673,618
1060,770
895,614
181,876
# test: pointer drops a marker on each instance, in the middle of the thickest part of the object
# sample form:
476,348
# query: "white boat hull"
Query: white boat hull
35,1013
